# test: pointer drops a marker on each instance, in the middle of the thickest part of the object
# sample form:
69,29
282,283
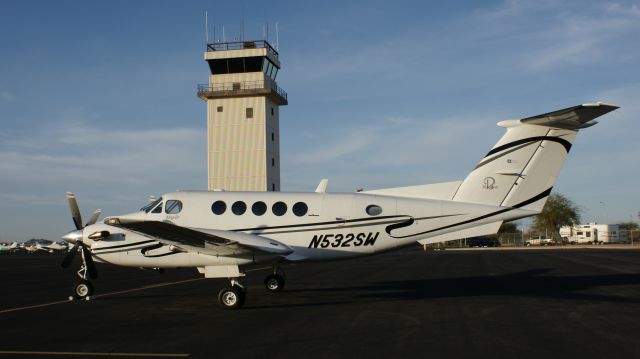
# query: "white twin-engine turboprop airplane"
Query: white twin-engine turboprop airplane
223,233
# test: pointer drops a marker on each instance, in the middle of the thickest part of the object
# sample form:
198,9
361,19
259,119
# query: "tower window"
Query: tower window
219,108
249,112
273,137
273,162
272,111
273,187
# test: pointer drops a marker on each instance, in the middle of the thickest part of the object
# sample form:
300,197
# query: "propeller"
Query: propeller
75,237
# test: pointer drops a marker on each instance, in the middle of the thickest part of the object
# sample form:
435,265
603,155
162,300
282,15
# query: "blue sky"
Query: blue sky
99,97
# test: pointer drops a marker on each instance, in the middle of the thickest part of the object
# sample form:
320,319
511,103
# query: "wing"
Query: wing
206,241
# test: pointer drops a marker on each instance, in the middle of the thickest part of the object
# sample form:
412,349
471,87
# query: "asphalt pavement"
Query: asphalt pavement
408,304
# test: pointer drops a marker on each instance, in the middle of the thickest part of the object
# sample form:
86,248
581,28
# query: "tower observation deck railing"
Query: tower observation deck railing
232,89
241,45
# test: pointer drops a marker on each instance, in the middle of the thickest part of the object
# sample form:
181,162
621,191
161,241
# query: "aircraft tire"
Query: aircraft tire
274,283
231,297
82,289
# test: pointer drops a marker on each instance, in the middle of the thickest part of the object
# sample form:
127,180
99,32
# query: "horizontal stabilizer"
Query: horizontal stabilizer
444,191
483,230
572,118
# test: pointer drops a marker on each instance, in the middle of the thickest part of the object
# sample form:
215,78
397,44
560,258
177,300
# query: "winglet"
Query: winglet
322,186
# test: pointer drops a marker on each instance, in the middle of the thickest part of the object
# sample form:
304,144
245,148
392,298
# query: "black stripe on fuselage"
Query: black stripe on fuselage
397,219
124,245
519,205
315,224
562,141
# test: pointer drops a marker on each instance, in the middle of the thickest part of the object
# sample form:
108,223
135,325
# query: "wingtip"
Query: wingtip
600,103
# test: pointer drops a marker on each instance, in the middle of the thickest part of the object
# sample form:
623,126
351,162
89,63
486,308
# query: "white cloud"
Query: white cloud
582,39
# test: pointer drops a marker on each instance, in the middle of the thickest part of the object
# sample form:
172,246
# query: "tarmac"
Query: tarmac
550,303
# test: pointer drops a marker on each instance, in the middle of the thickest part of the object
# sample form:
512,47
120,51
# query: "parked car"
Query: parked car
482,242
540,241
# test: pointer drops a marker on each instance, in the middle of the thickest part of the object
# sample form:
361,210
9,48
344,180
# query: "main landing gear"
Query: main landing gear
234,295
275,281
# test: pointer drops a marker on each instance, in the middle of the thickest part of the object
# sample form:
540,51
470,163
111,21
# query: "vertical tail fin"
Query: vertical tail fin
522,167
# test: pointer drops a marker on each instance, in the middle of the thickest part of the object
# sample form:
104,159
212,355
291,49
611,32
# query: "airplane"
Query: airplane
8,248
29,248
53,246
222,234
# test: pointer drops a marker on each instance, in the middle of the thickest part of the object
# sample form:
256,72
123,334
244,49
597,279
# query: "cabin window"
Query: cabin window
259,208
249,112
219,109
588,234
580,233
173,207
300,209
218,207
279,208
158,208
374,210
239,208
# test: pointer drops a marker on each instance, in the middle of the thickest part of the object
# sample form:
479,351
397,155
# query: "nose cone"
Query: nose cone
73,236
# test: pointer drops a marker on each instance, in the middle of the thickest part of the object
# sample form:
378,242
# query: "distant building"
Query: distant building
243,109
594,233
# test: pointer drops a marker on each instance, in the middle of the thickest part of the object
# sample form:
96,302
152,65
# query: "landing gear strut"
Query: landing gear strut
275,281
232,296
83,289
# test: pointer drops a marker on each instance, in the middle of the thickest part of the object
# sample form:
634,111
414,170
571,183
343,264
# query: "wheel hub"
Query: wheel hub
272,284
229,298
82,290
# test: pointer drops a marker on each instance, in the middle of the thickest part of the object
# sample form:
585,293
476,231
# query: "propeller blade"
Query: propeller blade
69,257
75,211
91,267
94,217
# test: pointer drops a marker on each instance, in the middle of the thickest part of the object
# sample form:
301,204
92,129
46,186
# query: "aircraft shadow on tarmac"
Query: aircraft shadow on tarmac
531,283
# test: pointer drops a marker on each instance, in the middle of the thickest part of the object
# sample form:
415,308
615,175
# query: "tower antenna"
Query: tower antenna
277,37
223,39
206,26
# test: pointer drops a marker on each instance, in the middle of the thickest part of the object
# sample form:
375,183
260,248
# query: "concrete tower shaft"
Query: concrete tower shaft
243,111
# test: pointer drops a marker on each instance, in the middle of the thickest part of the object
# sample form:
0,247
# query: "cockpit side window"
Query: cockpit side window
173,207
158,208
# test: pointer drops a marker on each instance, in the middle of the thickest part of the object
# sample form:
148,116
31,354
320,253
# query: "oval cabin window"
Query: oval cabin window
300,209
374,210
239,208
259,208
218,207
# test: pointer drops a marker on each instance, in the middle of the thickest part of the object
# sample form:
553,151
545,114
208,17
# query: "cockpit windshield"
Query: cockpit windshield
151,205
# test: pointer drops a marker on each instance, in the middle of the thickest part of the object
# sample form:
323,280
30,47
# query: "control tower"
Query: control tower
243,110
